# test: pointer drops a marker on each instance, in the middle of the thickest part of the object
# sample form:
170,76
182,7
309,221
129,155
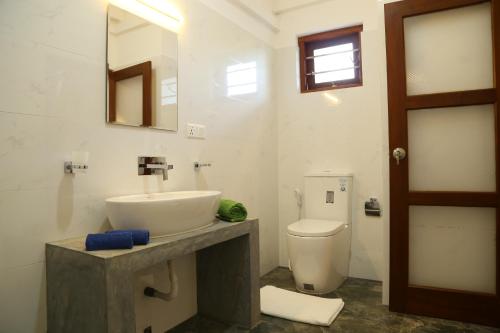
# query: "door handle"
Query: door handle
399,154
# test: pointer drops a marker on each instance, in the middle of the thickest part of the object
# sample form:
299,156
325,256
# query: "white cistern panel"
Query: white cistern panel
327,196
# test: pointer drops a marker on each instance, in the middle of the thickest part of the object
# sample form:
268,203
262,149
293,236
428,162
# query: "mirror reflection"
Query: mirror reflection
142,72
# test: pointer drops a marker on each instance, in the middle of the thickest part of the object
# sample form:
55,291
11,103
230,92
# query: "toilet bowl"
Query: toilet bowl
319,254
319,245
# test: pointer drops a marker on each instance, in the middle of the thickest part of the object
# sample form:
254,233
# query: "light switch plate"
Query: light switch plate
195,131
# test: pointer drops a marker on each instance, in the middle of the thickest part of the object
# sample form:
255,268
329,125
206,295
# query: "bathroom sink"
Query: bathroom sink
164,214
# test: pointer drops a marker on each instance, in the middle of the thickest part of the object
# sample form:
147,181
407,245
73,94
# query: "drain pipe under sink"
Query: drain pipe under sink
174,286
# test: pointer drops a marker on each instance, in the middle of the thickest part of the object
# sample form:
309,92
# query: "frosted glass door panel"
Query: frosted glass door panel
452,149
129,101
449,50
453,248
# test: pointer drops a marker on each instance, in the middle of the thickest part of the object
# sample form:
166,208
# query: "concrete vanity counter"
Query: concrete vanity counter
94,291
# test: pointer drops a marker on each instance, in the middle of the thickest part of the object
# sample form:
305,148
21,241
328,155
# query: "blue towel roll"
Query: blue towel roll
140,236
109,241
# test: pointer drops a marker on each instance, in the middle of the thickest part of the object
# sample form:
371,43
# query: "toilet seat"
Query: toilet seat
315,228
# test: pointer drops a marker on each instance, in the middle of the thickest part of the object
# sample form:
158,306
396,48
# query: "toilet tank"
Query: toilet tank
328,196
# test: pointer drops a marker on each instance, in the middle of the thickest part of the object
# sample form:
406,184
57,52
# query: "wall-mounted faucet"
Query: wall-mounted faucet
150,165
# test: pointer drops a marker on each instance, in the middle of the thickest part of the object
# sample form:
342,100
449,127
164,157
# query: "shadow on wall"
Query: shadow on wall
360,257
65,206
41,319
65,199
201,180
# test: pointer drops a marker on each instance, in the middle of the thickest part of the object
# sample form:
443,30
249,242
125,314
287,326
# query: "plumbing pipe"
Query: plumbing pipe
174,286
298,197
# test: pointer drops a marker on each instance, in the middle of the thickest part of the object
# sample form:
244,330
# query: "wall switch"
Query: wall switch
195,131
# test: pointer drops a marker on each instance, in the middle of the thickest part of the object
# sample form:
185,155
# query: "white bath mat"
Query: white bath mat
299,307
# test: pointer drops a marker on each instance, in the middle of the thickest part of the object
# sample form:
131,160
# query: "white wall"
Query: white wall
316,133
281,6
261,10
52,102
251,21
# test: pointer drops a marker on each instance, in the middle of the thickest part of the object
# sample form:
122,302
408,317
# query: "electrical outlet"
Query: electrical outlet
190,130
195,131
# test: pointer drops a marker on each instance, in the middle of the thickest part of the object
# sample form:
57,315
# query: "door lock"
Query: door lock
399,154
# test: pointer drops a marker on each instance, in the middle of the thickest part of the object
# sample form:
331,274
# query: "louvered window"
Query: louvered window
331,60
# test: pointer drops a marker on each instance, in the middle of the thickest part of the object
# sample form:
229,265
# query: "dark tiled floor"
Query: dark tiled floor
363,313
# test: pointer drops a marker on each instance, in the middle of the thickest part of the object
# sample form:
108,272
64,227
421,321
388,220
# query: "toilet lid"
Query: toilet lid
315,228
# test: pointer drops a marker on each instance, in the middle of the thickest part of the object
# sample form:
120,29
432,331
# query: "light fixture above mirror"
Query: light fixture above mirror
159,12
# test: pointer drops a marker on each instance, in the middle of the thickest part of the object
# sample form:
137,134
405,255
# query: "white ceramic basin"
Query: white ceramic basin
165,213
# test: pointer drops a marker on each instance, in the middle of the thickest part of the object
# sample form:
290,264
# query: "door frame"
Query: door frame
451,304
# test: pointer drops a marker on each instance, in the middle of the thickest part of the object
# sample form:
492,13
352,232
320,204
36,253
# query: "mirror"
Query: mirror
142,72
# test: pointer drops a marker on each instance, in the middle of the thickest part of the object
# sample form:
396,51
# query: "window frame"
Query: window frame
309,43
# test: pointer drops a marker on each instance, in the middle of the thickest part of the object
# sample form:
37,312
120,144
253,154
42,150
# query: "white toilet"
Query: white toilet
319,246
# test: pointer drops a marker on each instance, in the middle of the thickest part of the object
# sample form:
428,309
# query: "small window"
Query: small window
331,60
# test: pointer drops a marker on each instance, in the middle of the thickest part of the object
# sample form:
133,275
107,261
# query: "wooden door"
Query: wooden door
443,70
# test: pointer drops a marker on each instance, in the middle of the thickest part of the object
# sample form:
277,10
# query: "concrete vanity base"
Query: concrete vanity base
94,291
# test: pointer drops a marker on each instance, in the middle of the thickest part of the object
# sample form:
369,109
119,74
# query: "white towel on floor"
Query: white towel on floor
299,307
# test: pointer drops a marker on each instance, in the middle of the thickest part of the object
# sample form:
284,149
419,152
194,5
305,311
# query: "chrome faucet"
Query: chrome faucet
150,165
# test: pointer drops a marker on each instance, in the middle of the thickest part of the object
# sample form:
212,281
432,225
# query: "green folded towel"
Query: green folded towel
231,211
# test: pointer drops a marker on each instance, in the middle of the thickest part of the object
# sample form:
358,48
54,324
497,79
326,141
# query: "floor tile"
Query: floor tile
363,313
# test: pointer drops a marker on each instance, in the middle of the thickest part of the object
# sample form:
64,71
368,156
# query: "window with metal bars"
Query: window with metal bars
331,60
